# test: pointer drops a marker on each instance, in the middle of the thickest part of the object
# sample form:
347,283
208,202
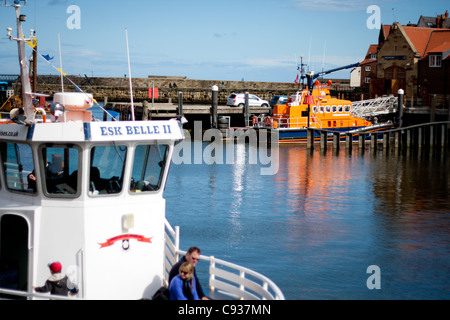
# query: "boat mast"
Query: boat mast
24,74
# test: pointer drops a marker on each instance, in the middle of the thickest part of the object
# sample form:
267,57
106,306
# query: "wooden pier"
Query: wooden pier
427,136
169,110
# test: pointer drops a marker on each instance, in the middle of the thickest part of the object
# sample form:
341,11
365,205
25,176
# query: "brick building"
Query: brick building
414,58
369,66
434,70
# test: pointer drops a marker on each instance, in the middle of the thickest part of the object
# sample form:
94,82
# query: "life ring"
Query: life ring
268,121
255,120
44,114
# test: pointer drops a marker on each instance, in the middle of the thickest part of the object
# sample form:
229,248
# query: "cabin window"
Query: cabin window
314,109
18,167
327,108
340,108
347,108
321,109
59,170
107,169
333,108
149,167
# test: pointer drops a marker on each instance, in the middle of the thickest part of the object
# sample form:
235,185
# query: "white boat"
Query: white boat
96,205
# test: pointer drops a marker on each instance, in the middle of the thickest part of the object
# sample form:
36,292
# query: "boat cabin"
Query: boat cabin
89,195
318,110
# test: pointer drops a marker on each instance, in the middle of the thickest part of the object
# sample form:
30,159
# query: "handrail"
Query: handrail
26,294
226,278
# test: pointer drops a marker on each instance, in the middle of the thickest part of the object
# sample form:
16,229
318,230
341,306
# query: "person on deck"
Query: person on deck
192,256
58,283
183,286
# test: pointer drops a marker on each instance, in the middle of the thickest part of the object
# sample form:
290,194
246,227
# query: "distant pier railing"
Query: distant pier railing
434,135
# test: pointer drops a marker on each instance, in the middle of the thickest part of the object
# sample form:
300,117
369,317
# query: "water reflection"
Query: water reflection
316,225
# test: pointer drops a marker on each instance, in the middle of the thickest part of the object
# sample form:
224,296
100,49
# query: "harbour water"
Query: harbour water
317,225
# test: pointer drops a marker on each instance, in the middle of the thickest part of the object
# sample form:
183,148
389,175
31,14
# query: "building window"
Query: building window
435,60
368,68
367,80
373,56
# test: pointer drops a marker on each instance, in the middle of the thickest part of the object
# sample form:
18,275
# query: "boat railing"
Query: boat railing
297,122
7,294
226,279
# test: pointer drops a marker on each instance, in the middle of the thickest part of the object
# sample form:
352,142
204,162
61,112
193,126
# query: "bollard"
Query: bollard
105,102
246,109
180,104
146,112
215,103
400,107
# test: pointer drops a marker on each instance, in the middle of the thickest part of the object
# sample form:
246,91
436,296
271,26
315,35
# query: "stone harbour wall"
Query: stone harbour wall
194,91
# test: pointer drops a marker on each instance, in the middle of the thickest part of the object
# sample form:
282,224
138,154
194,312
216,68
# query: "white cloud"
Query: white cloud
333,5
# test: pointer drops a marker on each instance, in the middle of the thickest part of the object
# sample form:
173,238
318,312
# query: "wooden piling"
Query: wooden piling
336,140
374,142
386,137
323,140
398,140
349,141
431,136
362,142
443,135
310,138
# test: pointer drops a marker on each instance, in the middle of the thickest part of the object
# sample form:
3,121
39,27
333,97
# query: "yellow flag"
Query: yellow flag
32,43
60,71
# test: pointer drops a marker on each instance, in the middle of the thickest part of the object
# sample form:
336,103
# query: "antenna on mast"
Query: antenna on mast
60,63
323,62
129,76
21,40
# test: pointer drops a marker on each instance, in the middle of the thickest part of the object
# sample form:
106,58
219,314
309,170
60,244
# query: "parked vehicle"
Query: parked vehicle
277,100
238,100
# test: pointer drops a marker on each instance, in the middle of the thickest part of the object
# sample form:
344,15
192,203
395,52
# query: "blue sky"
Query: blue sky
254,40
